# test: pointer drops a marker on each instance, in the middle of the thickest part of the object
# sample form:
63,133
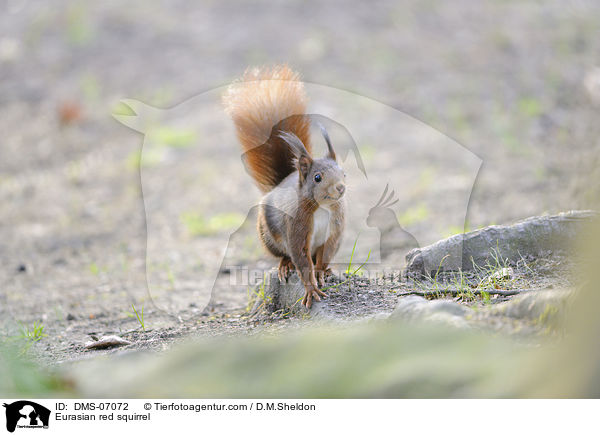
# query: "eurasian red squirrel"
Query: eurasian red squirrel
301,215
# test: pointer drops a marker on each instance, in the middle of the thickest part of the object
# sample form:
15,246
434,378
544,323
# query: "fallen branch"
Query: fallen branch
459,292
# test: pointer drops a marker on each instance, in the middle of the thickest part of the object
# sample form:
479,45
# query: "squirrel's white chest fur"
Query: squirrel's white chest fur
321,230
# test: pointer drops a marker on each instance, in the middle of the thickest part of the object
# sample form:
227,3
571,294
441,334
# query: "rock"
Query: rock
545,307
106,342
536,236
527,314
419,309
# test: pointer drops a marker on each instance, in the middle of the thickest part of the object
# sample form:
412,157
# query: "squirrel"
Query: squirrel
301,216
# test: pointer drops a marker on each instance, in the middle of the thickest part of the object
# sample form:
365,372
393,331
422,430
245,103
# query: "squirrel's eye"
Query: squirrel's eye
318,178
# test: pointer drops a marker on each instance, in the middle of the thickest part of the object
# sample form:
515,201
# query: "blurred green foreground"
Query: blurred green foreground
384,358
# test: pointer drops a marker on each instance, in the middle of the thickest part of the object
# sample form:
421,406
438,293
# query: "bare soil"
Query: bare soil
505,80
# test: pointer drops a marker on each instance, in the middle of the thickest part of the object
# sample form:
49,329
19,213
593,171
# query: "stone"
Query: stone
544,306
107,342
418,309
537,236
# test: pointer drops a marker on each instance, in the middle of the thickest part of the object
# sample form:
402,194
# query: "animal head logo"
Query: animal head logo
200,206
381,215
392,235
26,414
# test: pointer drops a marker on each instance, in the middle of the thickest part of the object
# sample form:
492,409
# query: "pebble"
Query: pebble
106,342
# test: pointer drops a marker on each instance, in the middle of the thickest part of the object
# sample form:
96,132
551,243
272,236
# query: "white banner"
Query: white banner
76,416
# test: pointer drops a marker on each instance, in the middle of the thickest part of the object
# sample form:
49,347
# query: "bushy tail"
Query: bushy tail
262,104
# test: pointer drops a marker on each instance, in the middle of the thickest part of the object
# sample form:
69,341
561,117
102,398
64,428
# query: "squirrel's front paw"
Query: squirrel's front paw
311,294
285,268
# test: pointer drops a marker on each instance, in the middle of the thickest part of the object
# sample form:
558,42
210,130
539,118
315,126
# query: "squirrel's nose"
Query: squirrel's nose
340,188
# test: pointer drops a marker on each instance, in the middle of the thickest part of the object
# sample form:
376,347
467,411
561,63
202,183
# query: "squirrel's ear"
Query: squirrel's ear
304,164
304,161
331,152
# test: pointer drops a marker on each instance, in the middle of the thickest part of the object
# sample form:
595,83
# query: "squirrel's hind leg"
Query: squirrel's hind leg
319,272
321,269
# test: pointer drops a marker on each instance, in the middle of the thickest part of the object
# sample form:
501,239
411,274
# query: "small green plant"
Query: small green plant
496,274
530,107
139,316
29,335
434,283
33,334
258,294
349,272
171,278
94,269
352,256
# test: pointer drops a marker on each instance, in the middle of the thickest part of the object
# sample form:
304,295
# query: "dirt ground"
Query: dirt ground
515,83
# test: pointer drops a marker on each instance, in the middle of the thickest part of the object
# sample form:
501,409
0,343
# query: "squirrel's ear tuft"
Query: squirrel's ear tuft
331,152
295,144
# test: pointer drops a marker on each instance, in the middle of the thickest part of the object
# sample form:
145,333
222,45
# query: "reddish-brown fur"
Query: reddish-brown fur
262,104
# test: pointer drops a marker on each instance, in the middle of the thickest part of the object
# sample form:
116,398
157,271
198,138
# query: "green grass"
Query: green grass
172,137
171,278
78,29
258,294
158,139
139,316
150,158
20,377
94,269
32,334
414,215
199,225
530,107
495,274
28,335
